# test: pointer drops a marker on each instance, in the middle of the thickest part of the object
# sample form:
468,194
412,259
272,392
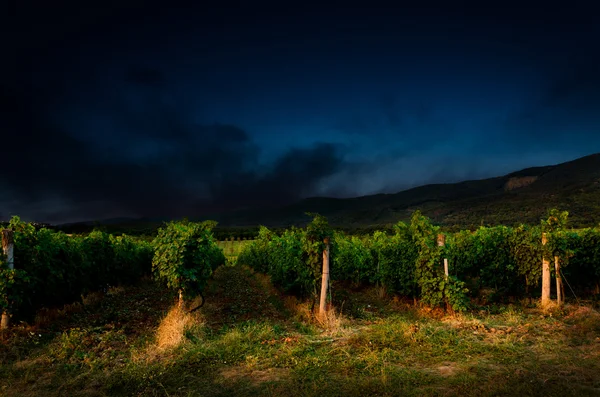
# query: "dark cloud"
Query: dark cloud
110,110
187,169
294,175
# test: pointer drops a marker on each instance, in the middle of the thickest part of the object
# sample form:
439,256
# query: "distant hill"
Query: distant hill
519,197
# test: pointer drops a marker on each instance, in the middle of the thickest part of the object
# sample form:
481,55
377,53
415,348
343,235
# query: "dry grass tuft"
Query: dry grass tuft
551,308
297,307
332,321
171,330
169,334
436,313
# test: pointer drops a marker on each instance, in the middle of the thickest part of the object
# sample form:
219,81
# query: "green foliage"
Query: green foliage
557,240
294,259
132,258
256,253
288,265
10,279
395,257
502,260
434,288
483,258
583,272
318,235
52,268
185,255
526,251
381,258
456,294
354,260
406,262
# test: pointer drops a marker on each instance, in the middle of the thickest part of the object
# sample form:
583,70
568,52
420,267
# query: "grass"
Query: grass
248,340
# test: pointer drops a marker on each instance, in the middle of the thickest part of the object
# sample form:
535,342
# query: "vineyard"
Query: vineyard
118,327
491,264
232,247
53,268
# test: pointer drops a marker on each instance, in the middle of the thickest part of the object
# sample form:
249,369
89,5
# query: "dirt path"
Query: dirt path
236,295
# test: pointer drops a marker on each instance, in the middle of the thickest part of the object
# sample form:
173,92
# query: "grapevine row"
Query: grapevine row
491,263
52,268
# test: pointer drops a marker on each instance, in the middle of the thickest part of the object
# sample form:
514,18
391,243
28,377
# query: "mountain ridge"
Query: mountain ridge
572,186
522,196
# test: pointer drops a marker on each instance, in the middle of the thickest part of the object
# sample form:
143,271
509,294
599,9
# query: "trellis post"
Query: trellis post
8,250
324,280
545,276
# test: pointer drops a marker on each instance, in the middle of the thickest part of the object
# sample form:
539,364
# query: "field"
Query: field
250,340
232,248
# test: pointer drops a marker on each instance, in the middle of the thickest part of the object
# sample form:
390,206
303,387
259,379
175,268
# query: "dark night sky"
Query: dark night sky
129,110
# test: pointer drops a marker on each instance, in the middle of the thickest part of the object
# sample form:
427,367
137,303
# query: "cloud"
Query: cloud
98,129
166,166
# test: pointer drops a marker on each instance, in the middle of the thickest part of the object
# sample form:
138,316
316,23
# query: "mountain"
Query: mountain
519,197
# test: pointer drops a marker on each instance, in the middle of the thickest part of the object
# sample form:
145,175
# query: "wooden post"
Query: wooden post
5,322
559,297
545,277
441,240
324,280
8,249
180,302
